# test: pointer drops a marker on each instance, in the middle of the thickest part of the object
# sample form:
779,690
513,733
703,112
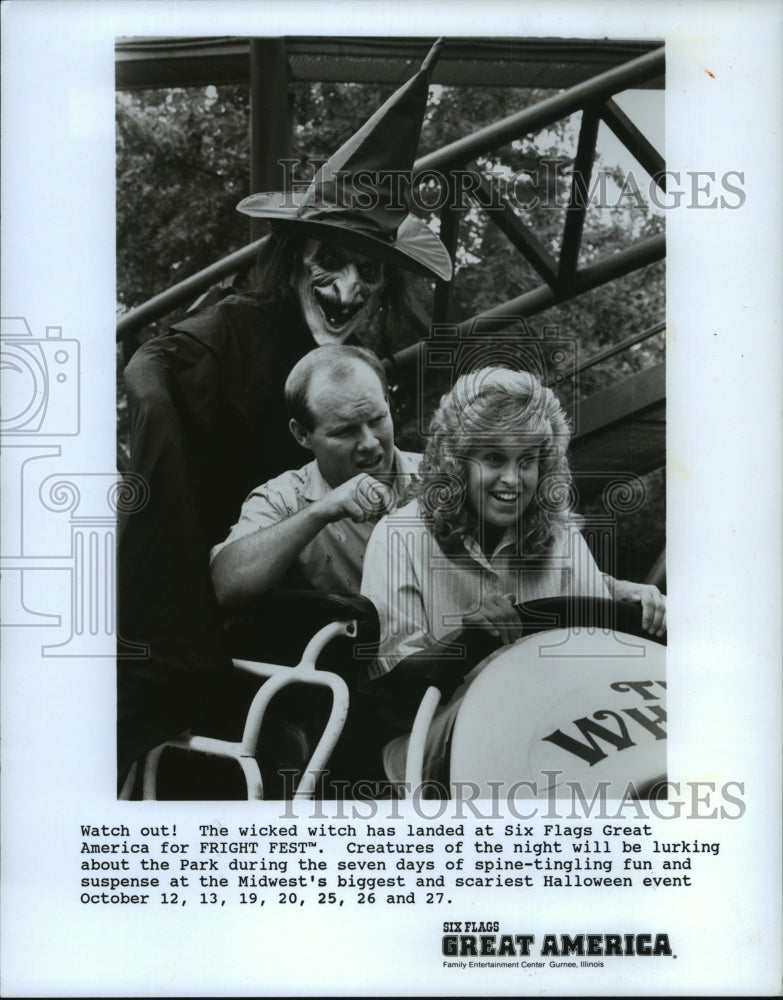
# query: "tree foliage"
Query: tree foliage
182,164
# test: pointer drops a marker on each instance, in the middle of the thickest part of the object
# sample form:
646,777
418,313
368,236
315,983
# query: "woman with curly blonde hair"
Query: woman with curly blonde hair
491,526
465,426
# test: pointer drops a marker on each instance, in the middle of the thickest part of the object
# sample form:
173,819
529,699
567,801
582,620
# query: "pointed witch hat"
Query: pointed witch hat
360,197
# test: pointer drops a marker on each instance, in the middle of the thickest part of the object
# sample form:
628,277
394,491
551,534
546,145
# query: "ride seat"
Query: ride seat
272,740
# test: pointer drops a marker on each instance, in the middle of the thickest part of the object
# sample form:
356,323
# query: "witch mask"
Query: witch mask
338,290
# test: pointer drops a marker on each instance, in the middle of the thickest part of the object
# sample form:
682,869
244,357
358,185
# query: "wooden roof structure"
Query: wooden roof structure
552,63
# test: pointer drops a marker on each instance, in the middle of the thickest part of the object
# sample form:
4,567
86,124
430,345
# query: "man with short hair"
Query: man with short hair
309,528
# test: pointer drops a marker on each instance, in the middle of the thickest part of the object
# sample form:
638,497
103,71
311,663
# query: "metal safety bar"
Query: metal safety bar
414,761
243,752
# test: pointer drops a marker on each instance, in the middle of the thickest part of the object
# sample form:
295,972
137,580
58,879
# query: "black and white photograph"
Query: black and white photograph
458,335
391,525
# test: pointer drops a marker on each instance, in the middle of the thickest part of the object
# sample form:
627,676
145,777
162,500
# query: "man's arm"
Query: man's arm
249,566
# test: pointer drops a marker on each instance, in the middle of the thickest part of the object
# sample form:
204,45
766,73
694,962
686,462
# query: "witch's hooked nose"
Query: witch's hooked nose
348,284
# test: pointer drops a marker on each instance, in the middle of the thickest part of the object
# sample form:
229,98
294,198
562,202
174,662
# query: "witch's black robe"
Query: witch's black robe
207,425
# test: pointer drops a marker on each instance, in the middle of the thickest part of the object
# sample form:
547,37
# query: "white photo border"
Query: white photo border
723,97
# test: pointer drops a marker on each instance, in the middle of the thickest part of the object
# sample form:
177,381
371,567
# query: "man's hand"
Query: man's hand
498,614
252,564
652,600
359,499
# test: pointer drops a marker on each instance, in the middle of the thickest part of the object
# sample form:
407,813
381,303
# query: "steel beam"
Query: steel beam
615,266
270,126
141,63
449,233
515,230
186,290
635,141
546,112
620,401
610,352
577,202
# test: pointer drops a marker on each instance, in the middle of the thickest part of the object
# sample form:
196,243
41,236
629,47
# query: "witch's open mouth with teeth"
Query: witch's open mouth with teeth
337,289
335,312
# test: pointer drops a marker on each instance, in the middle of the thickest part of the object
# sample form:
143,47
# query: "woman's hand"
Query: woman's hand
652,600
499,616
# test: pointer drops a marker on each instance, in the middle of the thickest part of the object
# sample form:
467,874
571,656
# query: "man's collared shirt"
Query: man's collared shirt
333,561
